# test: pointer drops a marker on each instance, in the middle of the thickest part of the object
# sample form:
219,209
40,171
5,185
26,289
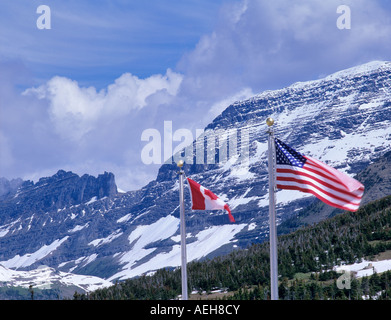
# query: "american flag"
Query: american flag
295,171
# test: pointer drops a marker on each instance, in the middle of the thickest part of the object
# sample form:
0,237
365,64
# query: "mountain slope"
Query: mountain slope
82,225
45,278
377,178
320,249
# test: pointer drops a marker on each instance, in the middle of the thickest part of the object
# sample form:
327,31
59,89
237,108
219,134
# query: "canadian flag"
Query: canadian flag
204,199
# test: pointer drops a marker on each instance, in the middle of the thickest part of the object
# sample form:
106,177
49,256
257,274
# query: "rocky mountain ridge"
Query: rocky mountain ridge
84,226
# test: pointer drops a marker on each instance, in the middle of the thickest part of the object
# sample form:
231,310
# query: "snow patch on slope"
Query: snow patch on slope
208,240
144,235
108,239
45,277
30,258
366,268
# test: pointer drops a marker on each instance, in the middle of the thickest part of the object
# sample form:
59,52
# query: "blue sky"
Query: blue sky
78,96
94,42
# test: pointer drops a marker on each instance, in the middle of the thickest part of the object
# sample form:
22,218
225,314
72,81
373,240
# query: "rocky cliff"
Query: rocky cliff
82,225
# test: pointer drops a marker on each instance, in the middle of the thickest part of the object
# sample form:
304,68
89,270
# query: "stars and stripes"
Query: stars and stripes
295,171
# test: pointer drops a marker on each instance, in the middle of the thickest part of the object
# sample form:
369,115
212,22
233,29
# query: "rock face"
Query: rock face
377,178
8,188
82,225
61,190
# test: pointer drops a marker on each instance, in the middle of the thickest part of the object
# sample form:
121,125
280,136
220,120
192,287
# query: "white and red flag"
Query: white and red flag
299,172
204,199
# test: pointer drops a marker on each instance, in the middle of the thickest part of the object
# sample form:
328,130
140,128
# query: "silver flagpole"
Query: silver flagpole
272,214
183,232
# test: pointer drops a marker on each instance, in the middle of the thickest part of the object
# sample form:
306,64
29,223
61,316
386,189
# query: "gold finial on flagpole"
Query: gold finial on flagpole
269,121
180,163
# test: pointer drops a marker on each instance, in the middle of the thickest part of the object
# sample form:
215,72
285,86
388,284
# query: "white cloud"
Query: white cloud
76,110
255,45
270,44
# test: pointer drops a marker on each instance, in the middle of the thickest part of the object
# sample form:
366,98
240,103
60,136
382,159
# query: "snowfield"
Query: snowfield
366,268
45,277
207,241
30,258
343,120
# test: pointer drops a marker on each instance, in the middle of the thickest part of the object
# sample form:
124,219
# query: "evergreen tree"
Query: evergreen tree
347,237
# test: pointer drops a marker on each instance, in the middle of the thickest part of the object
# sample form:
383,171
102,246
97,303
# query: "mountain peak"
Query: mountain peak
66,188
343,121
63,174
366,68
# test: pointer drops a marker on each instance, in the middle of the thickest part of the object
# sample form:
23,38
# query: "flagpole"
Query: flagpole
183,232
272,213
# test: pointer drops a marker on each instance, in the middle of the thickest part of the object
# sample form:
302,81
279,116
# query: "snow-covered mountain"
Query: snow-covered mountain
82,225
48,278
